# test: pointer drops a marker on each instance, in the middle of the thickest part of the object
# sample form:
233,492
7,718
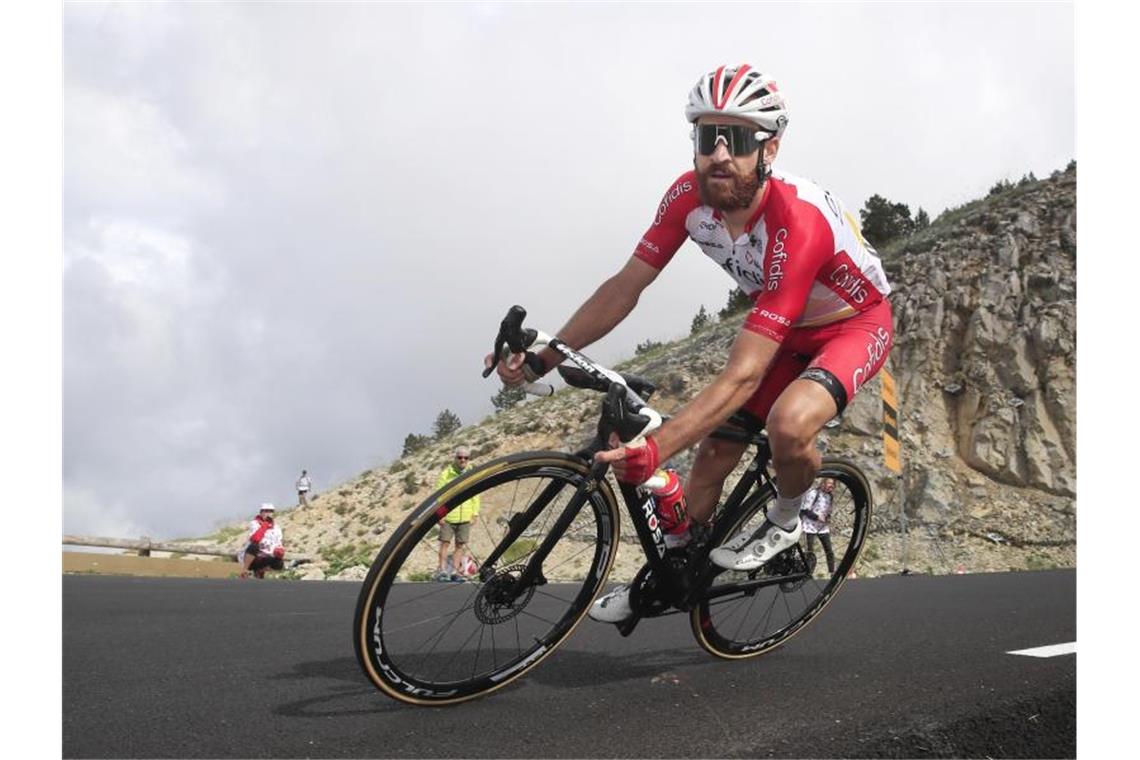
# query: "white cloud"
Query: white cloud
87,513
122,152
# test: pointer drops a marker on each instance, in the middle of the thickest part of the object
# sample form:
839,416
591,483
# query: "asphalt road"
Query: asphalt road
895,667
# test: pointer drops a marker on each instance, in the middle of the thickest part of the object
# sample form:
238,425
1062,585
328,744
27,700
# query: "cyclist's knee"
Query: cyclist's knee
791,432
794,422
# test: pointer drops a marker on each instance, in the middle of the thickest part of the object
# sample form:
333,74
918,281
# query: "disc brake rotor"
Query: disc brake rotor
496,602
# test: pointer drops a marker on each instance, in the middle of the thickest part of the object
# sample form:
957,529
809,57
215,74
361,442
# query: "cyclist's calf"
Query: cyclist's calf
715,460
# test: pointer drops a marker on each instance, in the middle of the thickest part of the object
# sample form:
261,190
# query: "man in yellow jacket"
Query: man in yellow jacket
457,524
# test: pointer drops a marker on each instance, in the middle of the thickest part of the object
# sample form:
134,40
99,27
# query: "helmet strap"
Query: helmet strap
762,172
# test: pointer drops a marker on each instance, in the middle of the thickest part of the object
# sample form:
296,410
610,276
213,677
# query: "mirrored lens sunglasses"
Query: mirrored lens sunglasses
740,140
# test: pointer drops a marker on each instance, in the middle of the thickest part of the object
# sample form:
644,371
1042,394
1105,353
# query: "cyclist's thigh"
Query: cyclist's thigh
851,352
786,366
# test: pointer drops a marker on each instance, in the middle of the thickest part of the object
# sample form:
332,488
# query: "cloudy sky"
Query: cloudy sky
290,230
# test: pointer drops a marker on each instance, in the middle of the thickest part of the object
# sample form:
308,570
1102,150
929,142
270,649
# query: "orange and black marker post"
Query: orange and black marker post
890,422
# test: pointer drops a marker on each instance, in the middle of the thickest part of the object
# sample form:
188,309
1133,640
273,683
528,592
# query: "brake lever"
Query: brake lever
500,342
618,416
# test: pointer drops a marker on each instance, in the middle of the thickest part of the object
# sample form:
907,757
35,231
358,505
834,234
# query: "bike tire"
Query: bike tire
409,657
770,616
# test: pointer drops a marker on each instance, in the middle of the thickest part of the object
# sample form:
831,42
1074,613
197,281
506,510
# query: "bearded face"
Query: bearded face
724,187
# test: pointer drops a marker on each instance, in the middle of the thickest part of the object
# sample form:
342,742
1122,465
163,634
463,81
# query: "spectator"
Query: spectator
303,486
816,516
457,524
266,548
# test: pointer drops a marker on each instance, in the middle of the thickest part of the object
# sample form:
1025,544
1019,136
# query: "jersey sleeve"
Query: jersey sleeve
668,232
258,531
792,260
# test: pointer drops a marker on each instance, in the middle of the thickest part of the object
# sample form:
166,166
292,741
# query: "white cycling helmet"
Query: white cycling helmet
739,91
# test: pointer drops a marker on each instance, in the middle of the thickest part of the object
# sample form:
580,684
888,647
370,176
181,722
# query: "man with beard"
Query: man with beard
819,329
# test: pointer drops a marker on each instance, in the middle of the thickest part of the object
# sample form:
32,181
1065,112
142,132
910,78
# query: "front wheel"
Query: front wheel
540,563
755,621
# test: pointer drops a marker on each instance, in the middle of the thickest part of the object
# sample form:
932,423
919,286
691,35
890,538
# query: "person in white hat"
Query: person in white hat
265,549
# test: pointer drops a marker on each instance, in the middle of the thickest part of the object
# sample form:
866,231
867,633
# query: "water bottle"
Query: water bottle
672,515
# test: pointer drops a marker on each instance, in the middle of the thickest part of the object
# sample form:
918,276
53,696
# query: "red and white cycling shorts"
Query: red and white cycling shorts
841,356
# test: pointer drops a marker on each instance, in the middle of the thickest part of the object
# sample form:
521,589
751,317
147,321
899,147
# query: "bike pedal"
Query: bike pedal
625,627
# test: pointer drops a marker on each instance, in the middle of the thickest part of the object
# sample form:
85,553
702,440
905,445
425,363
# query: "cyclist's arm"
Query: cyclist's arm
610,304
747,362
605,309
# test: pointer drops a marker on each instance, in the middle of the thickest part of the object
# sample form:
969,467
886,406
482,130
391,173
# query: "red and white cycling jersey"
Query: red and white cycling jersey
802,257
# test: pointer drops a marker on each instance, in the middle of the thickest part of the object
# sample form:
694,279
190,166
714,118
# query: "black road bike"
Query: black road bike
544,543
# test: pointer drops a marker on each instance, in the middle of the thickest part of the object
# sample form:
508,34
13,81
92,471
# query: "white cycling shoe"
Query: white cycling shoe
748,551
614,607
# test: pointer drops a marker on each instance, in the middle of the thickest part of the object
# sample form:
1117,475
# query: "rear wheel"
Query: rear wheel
428,642
750,623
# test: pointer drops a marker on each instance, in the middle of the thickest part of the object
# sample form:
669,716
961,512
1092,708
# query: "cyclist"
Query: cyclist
819,329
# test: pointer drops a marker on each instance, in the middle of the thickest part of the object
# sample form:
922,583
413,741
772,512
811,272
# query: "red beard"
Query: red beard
724,196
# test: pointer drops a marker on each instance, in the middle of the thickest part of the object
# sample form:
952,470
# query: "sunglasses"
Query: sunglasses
463,459
739,140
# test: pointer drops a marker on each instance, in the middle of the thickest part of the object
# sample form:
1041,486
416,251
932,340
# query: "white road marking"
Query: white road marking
1049,651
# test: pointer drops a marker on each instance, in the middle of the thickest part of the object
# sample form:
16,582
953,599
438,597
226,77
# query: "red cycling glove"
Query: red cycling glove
279,552
640,462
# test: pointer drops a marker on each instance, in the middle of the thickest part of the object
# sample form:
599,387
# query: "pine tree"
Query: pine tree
884,221
507,397
921,219
700,320
738,301
414,443
445,424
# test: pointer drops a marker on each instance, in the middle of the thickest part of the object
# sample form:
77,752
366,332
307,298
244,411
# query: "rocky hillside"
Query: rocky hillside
985,359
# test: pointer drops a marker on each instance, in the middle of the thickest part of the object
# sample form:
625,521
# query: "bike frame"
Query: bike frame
681,588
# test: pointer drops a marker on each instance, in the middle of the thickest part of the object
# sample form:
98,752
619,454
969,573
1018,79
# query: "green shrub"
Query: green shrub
411,483
647,346
346,555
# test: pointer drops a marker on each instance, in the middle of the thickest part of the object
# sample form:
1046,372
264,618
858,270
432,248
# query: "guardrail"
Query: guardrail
144,546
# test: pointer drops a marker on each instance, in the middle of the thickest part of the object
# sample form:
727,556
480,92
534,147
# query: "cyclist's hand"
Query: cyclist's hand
632,464
512,371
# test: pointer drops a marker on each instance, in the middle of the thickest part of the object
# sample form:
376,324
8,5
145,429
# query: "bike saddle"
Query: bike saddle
579,378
